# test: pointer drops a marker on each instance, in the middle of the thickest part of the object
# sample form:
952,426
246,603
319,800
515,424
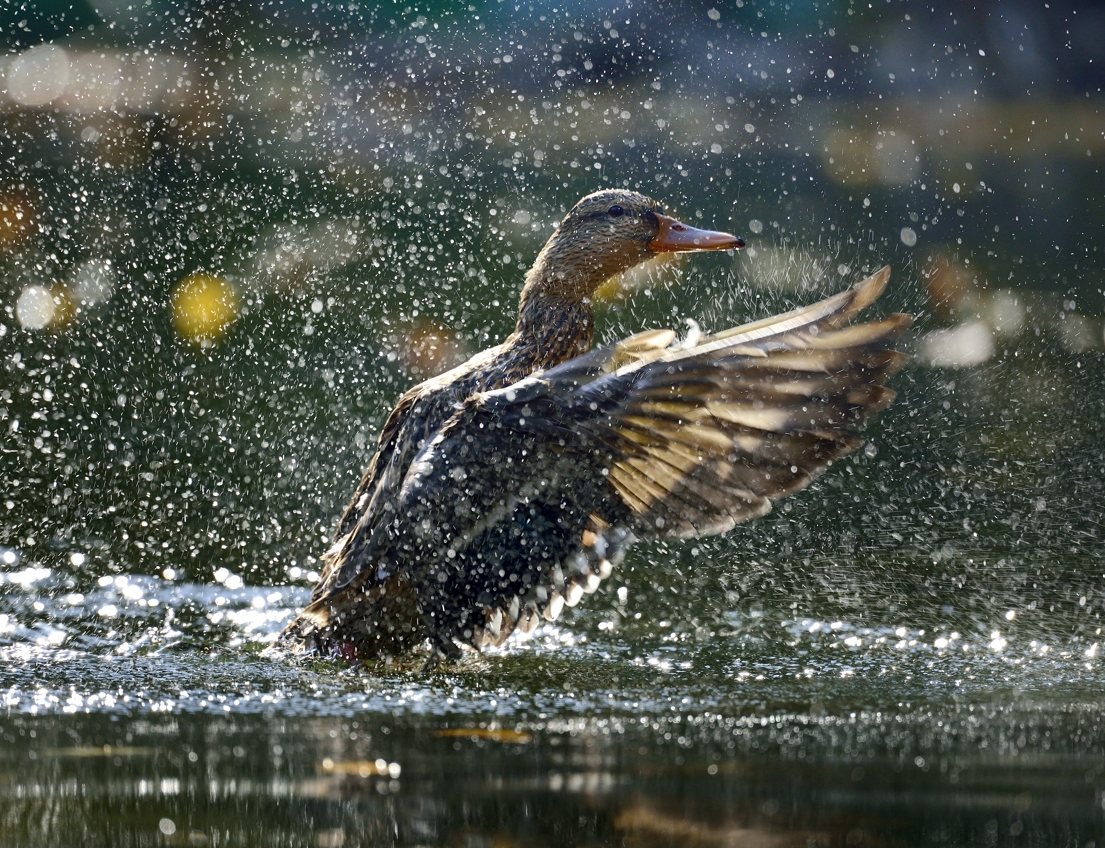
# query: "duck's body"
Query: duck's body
508,486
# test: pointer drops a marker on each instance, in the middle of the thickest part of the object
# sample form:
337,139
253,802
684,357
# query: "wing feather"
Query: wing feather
710,434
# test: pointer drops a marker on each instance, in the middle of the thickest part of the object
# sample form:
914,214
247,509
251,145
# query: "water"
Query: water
706,781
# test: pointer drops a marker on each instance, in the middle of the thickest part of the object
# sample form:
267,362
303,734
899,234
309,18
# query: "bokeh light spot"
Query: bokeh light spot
94,282
35,307
39,75
203,306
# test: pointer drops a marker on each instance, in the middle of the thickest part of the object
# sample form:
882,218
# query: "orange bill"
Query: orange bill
675,236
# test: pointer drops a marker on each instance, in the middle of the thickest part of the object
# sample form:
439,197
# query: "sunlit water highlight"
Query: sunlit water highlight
136,643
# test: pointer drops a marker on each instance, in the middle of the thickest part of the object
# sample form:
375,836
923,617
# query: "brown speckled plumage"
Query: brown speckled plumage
510,486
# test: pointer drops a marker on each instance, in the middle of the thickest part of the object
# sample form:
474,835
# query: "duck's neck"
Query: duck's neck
555,322
552,329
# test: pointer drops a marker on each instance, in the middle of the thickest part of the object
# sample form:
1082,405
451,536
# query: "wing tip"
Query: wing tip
869,289
863,294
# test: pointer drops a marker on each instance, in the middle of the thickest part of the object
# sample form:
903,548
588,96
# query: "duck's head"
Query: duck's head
609,232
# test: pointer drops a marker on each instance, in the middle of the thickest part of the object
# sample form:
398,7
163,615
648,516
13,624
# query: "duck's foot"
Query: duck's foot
348,652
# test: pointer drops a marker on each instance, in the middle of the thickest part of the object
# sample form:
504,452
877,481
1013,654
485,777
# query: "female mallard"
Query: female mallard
510,486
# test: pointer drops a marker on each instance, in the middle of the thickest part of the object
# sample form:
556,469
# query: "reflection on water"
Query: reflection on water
372,780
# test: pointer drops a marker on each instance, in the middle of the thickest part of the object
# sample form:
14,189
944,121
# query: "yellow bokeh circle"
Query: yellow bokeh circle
203,307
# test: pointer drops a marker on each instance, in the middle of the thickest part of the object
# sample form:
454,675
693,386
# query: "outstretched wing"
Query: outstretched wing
710,435
508,511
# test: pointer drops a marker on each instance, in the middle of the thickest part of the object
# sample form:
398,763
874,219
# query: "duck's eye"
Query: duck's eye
615,211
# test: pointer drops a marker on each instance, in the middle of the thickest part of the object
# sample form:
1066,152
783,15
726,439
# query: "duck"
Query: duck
510,487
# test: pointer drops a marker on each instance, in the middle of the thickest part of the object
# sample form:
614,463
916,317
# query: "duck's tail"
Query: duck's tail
306,633
383,620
